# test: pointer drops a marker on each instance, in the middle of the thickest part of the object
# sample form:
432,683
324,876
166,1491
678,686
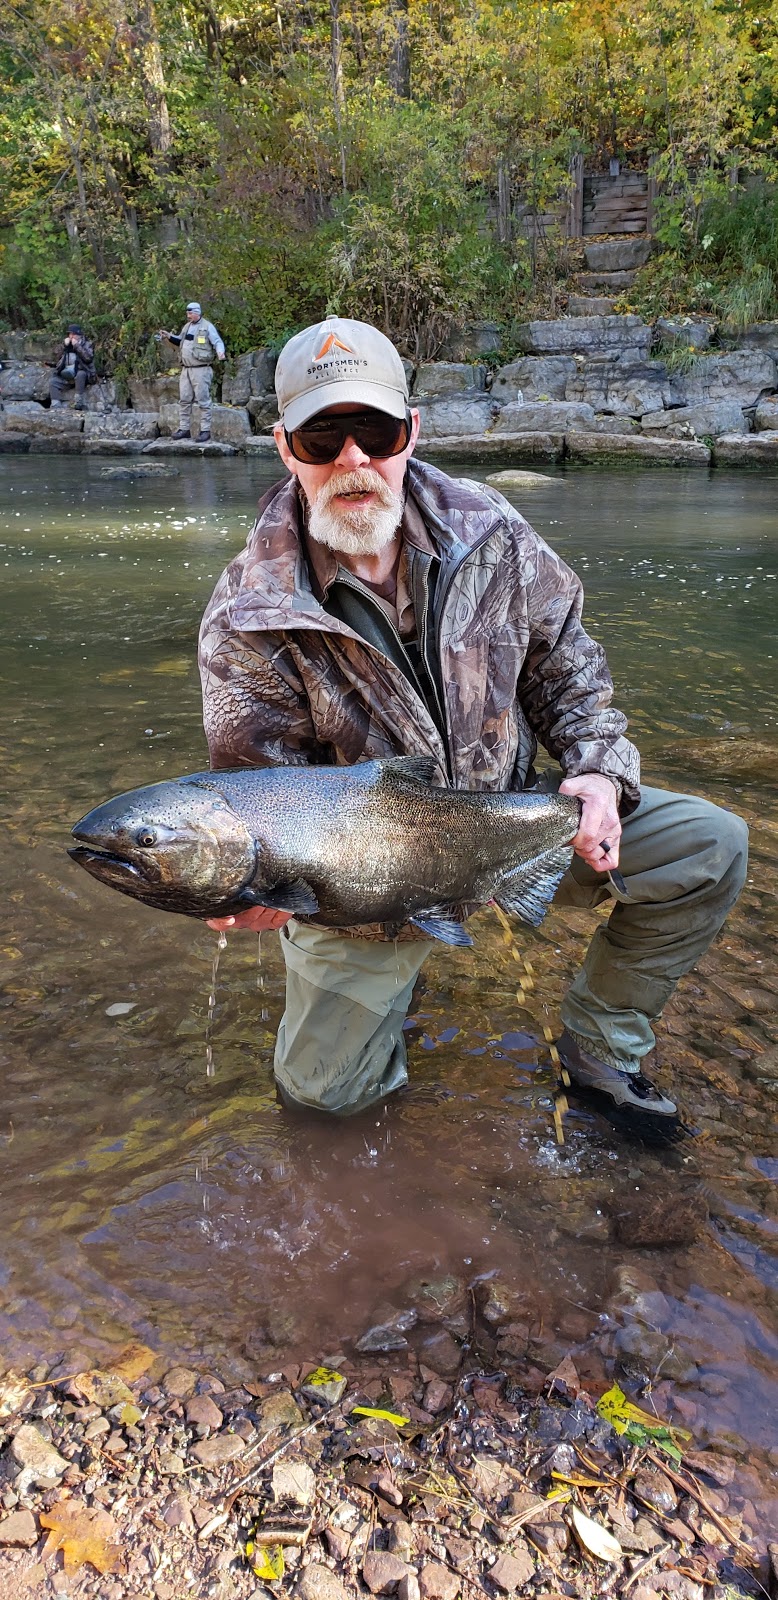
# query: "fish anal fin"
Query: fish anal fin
528,890
443,928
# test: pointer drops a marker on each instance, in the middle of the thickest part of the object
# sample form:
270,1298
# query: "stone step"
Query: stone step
617,255
606,280
579,305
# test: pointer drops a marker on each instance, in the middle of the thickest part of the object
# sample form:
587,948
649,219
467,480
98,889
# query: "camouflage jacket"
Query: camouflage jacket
283,681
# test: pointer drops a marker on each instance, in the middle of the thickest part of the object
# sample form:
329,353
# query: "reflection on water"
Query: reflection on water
143,1194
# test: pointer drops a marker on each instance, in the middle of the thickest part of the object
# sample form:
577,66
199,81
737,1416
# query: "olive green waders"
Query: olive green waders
340,1044
194,385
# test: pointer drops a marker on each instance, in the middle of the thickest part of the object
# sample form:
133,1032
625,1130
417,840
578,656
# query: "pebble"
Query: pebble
654,1487
388,1334
179,1382
201,1411
19,1530
511,1570
317,1582
408,1587
40,1463
326,1390
382,1571
170,1463
436,1582
279,1411
437,1396
338,1542
97,1427
222,1447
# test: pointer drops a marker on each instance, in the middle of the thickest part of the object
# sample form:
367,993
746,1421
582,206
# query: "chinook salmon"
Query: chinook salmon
376,842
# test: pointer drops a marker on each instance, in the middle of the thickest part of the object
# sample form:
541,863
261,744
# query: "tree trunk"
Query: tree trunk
400,51
143,20
338,91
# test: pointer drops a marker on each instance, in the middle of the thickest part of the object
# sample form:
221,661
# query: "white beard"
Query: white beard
356,530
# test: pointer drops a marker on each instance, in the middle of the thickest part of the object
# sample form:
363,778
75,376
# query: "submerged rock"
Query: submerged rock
515,478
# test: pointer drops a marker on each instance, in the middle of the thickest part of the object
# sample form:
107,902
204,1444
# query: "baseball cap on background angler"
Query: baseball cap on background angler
194,305
338,362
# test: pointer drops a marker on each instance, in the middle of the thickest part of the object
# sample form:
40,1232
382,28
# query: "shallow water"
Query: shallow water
143,1197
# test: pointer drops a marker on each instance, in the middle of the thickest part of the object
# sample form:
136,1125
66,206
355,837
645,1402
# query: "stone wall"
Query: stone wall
604,386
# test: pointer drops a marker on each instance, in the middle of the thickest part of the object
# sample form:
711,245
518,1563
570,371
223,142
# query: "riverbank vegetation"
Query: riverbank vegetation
374,157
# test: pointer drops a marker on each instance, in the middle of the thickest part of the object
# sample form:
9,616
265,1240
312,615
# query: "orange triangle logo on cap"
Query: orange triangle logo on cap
332,342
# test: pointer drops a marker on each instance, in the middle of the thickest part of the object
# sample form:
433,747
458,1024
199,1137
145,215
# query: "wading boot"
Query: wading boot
180,433
203,438
629,1100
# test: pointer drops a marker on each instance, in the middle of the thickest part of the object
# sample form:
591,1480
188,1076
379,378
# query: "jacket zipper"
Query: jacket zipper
441,608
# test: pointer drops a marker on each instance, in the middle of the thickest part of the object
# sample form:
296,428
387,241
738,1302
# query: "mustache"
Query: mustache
362,480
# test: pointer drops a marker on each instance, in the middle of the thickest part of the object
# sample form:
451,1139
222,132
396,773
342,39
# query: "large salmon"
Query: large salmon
376,842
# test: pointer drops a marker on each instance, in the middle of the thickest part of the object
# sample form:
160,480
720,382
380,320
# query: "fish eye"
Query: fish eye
146,837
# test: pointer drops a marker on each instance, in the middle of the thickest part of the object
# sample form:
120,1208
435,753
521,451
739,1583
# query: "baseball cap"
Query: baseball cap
74,327
339,361
194,305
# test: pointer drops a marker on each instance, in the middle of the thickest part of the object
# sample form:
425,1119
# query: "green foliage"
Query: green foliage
271,164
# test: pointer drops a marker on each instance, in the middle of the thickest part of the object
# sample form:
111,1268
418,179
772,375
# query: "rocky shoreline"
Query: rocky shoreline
375,1473
590,389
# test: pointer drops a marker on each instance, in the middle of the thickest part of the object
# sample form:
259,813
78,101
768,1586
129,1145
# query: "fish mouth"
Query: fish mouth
102,864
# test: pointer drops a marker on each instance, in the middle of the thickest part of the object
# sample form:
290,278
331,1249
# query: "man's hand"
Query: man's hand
257,920
599,821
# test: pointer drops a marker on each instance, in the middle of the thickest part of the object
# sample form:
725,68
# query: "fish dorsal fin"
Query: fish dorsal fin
528,890
421,769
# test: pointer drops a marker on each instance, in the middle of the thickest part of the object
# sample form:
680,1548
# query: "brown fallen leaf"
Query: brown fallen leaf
105,1389
133,1361
83,1533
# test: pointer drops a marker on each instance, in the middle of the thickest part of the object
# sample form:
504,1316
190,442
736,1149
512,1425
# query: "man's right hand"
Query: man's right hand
256,920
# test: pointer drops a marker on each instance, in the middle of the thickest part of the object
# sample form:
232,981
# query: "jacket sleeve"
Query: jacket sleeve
216,340
565,687
255,709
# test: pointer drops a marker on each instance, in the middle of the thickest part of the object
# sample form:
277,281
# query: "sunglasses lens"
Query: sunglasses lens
321,441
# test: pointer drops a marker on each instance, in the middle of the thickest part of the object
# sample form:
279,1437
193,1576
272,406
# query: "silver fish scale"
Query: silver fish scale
376,844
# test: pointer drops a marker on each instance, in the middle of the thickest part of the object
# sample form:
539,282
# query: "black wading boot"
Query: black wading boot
629,1100
202,438
180,433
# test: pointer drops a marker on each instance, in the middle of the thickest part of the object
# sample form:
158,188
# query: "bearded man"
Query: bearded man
383,608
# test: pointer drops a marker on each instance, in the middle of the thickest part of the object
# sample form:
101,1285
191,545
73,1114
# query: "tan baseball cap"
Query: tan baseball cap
335,362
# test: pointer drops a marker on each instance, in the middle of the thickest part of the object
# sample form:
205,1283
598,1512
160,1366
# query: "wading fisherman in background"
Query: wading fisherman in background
199,344
383,608
75,368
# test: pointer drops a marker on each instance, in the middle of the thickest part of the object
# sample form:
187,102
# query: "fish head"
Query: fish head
178,846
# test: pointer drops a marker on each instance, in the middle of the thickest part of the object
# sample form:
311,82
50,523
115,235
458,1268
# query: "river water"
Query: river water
143,1196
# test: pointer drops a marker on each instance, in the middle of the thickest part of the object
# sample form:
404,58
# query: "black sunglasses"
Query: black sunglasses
320,441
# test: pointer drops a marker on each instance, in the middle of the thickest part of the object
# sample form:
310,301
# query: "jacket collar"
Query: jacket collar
275,589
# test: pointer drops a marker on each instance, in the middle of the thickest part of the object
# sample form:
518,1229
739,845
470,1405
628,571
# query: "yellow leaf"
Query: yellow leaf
595,1538
83,1533
385,1416
104,1389
135,1359
267,1563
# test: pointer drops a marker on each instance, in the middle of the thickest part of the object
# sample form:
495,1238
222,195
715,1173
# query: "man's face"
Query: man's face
356,500
193,316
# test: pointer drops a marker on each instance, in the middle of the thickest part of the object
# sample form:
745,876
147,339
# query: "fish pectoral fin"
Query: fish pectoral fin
296,897
528,890
420,768
443,928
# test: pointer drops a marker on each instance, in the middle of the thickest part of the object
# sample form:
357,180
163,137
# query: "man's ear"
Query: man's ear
283,448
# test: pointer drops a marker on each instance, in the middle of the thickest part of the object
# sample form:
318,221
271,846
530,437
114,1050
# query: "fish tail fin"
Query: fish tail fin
528,890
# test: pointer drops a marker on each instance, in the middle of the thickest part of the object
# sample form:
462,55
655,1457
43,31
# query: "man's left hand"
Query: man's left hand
600,821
